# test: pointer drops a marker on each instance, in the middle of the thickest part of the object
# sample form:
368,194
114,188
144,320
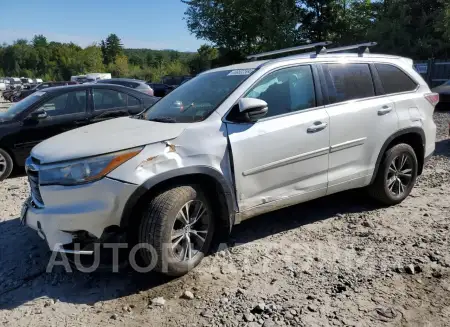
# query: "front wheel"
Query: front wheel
178,224
396,176
6,165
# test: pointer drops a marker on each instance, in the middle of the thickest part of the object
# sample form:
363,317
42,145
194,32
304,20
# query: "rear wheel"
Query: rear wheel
396,176
6,165
178,224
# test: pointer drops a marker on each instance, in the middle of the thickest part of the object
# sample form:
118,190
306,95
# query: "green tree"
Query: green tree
111,48
91,59
120,67
203,59
136,60
150,59
245,25
39,41
413,28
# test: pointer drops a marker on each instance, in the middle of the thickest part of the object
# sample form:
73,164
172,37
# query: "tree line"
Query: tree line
419,29
54,61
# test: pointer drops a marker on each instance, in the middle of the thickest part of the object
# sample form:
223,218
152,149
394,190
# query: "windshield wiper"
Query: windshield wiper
163,120
189,107
138,116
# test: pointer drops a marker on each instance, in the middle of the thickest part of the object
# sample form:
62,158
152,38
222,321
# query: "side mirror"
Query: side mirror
38,114
252,109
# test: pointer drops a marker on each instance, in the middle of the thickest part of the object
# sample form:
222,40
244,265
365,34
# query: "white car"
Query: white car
231,144
2,85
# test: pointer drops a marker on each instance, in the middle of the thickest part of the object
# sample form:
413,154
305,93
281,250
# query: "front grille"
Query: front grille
33,179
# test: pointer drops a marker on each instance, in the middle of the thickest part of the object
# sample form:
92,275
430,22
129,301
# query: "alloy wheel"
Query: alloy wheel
190,230
400,175
2,164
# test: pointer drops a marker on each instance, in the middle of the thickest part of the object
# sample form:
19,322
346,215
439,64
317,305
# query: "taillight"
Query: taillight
432,98
150,92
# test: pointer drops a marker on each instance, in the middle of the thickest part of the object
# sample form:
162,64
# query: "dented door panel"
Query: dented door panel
278,158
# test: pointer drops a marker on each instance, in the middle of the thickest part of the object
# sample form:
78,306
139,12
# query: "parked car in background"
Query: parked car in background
14,82
136,84
160,90
2,85
37,80
231,144
42,86
79,79
175,81
444,95
6,82
27,83
25,80
94,77
55,110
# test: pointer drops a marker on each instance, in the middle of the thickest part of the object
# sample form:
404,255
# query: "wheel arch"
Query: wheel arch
413,136
10,152
216,186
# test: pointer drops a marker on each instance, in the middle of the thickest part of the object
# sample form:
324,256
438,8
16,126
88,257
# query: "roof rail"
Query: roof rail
320,48
362,48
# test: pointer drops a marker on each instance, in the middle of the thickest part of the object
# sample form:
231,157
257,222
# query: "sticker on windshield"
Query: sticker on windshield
240,72
39,94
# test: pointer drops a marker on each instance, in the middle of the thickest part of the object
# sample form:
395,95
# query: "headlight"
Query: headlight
85,170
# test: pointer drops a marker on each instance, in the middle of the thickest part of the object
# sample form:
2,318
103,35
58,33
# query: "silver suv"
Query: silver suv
230,144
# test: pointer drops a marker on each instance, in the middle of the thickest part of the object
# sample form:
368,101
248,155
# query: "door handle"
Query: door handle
318,126
384,110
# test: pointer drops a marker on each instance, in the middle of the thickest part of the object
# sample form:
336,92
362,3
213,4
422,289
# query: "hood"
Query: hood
105,137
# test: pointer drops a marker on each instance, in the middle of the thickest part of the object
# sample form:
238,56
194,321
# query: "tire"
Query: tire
161,223
6,165
386,187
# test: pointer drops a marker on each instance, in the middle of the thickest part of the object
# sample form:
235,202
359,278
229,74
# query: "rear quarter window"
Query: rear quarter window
394,80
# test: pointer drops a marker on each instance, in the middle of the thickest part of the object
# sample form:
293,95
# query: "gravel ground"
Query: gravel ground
337,261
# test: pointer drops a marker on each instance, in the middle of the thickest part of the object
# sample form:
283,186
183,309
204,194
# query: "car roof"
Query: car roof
121,79
85,86
310,56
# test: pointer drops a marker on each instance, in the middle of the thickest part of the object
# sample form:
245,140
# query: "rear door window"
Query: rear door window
133,102
348,82
394,80
105,99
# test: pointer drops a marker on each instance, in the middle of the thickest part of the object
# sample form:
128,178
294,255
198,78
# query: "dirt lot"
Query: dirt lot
336,261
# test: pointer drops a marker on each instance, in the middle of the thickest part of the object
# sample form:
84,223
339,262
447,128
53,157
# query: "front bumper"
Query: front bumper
70,209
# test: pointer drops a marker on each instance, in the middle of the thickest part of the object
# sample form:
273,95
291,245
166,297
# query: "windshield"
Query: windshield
447,83
24,104
195,100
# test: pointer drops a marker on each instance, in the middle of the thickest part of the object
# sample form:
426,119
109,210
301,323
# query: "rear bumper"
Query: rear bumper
70,209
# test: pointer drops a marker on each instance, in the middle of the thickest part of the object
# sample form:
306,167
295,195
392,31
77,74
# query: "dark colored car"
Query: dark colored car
55,110
444,95
42,86
161,90
136,84
175,80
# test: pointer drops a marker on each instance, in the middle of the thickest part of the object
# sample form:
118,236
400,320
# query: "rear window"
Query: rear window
394,80
349,82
